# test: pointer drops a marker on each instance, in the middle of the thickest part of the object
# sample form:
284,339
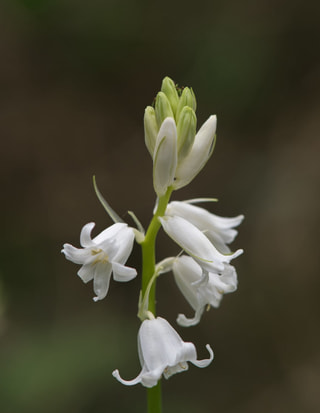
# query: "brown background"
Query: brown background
75,77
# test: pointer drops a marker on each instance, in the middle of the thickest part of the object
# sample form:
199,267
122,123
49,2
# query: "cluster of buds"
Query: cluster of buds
202,271
178,152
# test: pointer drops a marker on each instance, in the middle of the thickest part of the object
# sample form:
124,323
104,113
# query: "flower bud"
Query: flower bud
187,98
150,129
186,131
165,157
199,154
162,108
169,89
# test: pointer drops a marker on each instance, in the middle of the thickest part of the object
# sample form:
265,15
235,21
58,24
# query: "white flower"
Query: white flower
196,244
202,149
102,255
219,230
188,273
165,157
162,351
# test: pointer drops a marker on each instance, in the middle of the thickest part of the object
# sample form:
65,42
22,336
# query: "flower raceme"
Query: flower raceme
203,276
162,352
103,255
178,152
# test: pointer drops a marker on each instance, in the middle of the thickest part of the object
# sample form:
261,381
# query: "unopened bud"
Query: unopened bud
186,131
169,89
162,108
187,98
199,154
165,157
150,129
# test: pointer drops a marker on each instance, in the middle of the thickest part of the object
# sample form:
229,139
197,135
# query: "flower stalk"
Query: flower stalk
148,249
148,269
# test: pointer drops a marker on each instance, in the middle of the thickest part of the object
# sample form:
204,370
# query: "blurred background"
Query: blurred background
75,77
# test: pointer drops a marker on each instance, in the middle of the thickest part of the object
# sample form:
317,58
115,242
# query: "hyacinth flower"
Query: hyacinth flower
179,152
187,274
162,352
103,255
196,243
219,230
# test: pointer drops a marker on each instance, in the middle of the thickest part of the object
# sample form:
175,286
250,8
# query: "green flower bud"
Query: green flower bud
150,128
169,89
187,98
162,108
194,107
186,131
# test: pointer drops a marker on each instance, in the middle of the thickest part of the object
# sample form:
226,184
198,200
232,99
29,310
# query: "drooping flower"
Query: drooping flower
188,274
219,230
162,352
103,255
196,243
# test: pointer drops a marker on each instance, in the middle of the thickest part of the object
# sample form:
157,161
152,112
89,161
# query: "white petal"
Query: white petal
183,321
165,157
125,240
206,362
186,271
132,382
109,233
229,279
194,242
85,235
101,280
201,151
122,273
76,255
158,343
219,228
86,273
218,240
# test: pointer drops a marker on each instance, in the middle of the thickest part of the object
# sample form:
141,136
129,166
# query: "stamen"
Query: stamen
102,257
97,251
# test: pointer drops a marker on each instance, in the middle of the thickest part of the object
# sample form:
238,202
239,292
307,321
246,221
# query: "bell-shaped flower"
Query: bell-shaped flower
196,244
188,275
162,352
202,148
165,157
219,230
103,255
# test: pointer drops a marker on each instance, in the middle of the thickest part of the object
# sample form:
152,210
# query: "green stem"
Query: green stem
148,269
148,249
154,399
